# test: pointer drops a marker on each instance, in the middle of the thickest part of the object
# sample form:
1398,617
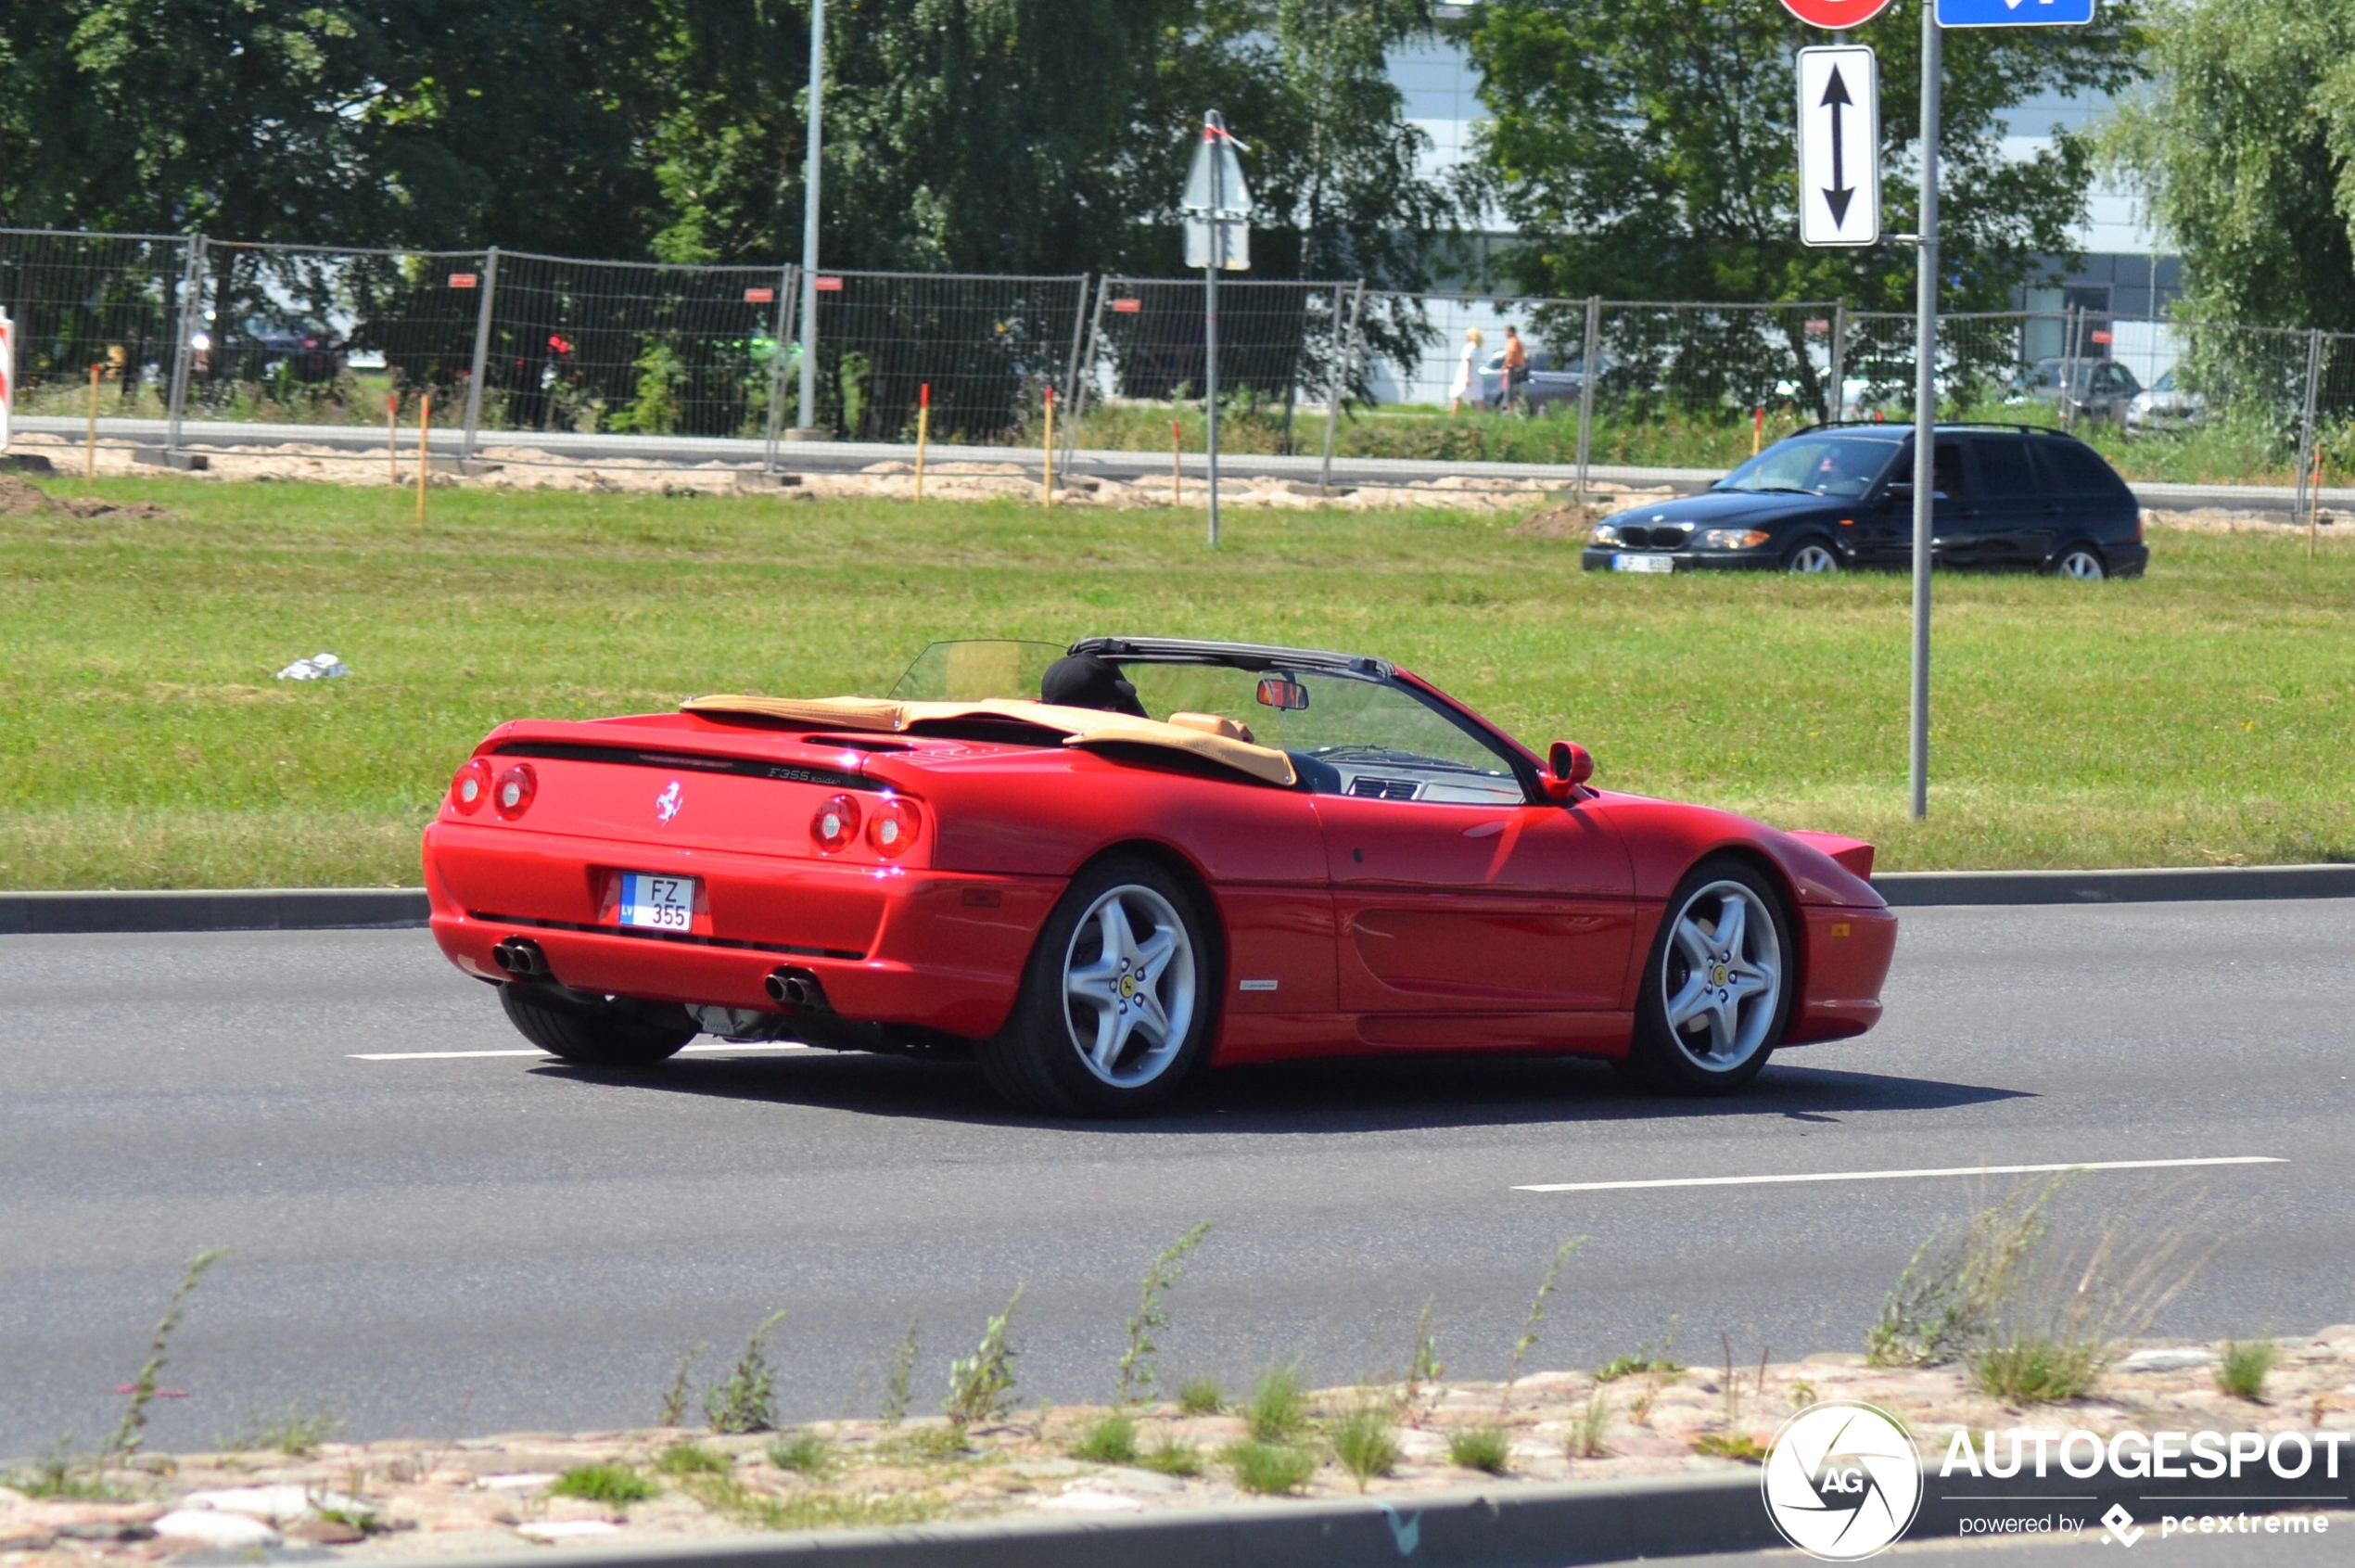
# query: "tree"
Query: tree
2246,141
1645,149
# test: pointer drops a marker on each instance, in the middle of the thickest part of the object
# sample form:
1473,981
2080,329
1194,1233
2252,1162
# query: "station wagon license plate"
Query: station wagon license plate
1643,562
657,903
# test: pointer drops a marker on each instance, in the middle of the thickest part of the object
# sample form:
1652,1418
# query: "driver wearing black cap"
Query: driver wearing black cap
1087,681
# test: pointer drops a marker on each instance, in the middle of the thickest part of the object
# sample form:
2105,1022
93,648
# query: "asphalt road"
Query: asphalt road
468,1245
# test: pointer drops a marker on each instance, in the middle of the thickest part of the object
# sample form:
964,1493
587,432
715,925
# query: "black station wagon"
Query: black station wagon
2016,497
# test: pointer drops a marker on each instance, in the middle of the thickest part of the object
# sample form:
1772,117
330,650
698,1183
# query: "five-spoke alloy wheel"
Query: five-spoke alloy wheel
1717,990
1815,558
2081,562
1116,1003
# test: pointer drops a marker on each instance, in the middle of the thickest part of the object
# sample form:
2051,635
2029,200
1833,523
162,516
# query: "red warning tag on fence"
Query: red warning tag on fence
2105,337
760,296
1127,307
826,285
1819,325
463,280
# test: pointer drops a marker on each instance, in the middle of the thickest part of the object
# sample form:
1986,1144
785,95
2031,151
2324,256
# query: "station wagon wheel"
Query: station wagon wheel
2081,562
1814,557
1718,986
1116,1001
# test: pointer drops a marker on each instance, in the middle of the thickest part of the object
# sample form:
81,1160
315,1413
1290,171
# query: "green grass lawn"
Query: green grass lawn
2204,714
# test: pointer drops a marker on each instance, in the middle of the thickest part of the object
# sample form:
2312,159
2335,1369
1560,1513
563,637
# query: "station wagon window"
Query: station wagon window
2077,470
2005,467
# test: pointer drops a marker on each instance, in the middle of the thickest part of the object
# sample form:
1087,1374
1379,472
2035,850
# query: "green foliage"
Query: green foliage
298,1433
981,1385
1137,1361
1738,1445
747,1401
1110,1440
1201,1396
656,409
1650,1359
1585,1438
1171,1455
1270,1469
2244,1367
1364,1439
804,1451
133,1425
1528,1340
61,1474
616,1485
1959,1280
691,1459
1278,1410
2036,1369
1423,1365
674,1402
1487,1448
902,1373
1643,148
2246,141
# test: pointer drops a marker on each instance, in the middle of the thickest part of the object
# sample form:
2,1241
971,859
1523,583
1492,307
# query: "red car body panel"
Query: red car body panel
1346,925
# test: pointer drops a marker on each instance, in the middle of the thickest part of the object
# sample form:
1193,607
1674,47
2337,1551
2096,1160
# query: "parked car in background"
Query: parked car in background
260,348
2102,390
1549,382
2166,407
2018,497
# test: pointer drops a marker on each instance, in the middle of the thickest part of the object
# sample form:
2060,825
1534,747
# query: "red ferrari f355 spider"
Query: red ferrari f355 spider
1188,854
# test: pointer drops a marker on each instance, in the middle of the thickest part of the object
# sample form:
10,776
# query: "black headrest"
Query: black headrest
1086,681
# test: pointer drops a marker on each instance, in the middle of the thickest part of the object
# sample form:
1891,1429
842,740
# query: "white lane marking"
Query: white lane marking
460,1055
1897,1175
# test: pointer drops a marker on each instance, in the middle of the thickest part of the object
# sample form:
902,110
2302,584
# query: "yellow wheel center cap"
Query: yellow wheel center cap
1717,976
1127,987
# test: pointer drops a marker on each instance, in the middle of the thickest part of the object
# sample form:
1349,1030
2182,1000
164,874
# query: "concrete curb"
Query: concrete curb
381,908
2165,884
1555,1525
250,909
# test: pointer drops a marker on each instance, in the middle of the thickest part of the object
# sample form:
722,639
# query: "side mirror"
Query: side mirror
1284,694
1567,767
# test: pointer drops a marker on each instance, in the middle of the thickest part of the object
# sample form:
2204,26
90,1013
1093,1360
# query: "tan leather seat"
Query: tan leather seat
1212,725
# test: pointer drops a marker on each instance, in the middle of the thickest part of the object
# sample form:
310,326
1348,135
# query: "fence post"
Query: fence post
2306,493
769,458
1084,372
1587,391
2070,318
1342,362
482,355
191,311
1839,362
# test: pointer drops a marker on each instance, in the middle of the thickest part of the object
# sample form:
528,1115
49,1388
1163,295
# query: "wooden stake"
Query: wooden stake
924,425
1176,464
90,448
424,436
1758,432
392,439
1050,446
2314,507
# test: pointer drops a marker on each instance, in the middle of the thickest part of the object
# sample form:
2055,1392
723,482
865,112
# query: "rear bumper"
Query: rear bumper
1848,954
935,950
2127,560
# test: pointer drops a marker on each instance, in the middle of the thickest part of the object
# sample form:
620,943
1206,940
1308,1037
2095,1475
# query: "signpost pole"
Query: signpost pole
1210,337
1925,414
808,415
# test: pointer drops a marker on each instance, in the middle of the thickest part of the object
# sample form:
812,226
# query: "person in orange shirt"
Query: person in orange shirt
1516,370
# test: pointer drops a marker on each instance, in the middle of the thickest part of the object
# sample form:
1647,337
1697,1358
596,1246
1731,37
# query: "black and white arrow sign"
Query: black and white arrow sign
1839,147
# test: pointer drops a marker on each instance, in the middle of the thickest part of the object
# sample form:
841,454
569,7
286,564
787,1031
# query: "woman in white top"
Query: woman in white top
1467,369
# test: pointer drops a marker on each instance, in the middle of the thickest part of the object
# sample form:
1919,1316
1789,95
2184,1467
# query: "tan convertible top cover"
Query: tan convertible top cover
1080,726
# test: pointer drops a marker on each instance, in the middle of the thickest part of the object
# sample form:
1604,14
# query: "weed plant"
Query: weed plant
1278,1410
1738,1445
981,1385
1137,1362
748,1400
616,1485
674,1402
1172,1456
1485,1448
1423,1365
1960,1279
1110,1440
898,1381
1587,1432
2244,1366
1364,1440
804,1452
297,1434
1270,1470
691,1459
1650,1360
1201,1396
1528,1340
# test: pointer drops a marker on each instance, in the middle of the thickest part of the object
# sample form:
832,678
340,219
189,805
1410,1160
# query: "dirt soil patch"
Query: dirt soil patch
22,498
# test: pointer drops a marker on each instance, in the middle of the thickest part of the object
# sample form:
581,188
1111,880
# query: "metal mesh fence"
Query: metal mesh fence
625,347
314,336
81,299
988,346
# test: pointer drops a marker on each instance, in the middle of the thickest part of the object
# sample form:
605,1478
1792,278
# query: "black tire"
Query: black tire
2081,561
1662,1059
596,1031
1812,556
1037,1061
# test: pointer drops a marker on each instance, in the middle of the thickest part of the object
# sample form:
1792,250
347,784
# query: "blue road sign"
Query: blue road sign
2015,13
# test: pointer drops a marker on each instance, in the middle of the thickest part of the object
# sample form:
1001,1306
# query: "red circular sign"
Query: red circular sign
1836,13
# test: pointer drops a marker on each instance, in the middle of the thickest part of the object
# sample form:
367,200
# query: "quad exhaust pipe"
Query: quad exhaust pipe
521,957
797,988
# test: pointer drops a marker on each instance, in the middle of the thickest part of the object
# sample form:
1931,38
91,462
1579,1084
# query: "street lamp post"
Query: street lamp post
808,420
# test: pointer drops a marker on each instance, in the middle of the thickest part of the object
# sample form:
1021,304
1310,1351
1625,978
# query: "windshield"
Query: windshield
1347,734
1812,466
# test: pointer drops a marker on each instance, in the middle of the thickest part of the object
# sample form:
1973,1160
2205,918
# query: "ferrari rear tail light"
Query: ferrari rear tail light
893,826
514,791
471,787
836,825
